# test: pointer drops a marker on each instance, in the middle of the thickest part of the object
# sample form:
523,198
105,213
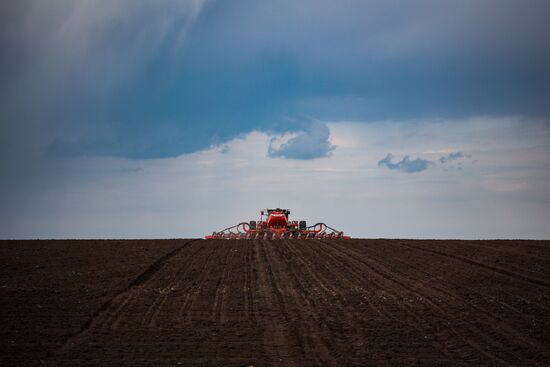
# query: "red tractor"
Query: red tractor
277,226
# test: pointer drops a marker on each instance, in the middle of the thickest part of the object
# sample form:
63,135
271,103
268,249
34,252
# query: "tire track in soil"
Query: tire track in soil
306,303
112,320
182,273
347,352
293,314
380,300
452,289
150,316
279,342
232,306
487,334
489,312
97,319
490,250
248,290
254,299
152,313
457,289
185,314
311,269
537,251
218,308
447,346
490,334
485,266
435,275
350,342
210,295
502,332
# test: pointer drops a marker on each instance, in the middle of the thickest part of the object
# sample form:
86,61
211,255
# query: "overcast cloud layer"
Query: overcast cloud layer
94,94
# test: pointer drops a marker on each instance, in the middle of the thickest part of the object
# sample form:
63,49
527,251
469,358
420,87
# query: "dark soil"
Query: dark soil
267,303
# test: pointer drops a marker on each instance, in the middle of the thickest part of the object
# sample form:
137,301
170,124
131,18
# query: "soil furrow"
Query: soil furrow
143,277
221,288
438,310
277,334
494,332
194,292
485,266
453,289
276,302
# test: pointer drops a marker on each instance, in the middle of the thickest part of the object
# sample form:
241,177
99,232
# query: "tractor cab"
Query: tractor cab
277,218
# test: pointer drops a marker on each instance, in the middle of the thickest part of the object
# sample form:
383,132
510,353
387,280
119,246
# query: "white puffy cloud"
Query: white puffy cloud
310,144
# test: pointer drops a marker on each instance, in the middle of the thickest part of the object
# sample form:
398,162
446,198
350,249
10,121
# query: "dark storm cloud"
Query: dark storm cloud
158,79
407,164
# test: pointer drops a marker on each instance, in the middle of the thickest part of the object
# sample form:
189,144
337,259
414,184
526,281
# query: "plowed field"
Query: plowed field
275,303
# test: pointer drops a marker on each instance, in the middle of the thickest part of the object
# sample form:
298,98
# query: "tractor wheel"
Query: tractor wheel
252,224
302,224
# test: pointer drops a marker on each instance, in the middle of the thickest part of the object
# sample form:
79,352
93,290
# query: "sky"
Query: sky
163,119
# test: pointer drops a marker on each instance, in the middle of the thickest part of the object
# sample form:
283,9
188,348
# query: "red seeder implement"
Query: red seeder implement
277,226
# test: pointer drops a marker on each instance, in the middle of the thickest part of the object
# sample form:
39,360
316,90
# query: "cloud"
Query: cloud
419,164
91,72
310,144
504,195
451,157
110,198
406,164
155,79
